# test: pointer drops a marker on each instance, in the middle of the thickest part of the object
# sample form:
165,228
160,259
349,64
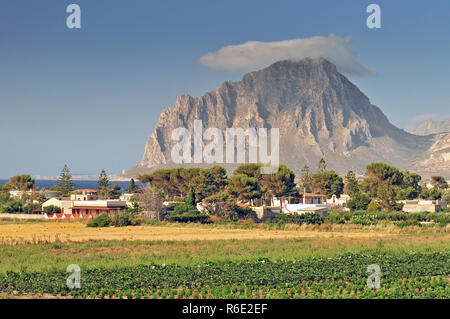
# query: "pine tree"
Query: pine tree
322,165
103,185
132,188
305,179
281,183
386,196
190,200
103,181
351,184
439,182
65,183
115,191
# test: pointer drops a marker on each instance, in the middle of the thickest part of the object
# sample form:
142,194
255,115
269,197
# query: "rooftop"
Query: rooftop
85,191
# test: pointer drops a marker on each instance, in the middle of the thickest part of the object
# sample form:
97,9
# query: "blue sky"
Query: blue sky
91,97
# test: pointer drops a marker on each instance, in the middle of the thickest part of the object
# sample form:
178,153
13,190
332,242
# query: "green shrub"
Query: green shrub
373,206
362,219
306,218
12,207
183,208
397,218
338,217
30,207
242,213
193,217
52,210
121,219
101,221
186,213
359,202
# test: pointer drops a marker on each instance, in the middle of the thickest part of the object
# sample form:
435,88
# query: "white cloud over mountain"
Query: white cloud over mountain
254,55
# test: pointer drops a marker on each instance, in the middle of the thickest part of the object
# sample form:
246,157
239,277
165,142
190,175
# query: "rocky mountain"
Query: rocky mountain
319,113
431,126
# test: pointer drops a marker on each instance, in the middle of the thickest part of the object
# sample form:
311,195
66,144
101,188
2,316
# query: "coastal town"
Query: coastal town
246,226
312,193
258,154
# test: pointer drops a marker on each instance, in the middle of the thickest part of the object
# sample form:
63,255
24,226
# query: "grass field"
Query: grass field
47,232
49,247
31,232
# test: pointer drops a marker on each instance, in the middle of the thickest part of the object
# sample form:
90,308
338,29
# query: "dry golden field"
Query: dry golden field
78,232
51,231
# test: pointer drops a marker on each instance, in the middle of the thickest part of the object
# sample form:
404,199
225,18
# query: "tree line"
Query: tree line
381,189
31,199
105,189
385,185
247,184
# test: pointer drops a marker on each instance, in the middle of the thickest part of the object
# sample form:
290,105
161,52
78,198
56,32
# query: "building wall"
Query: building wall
101,203
22,216
309,200
416,208
338,201
321,212
263,213
66,207
93,211
52,202
313,200
82,197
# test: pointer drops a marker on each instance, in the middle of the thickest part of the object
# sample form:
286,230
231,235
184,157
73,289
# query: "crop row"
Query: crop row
421,287
315,277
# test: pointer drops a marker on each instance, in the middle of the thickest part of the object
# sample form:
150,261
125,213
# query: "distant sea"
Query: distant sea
42,183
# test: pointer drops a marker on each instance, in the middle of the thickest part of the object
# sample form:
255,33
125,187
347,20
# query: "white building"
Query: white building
417,206
341,201
320,209
84,201
65,204
19,194
84,194
96,207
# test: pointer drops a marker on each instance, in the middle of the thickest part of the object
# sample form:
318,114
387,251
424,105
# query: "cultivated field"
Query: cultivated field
156,261
61,231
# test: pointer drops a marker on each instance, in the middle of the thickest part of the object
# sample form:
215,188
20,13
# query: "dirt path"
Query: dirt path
77,232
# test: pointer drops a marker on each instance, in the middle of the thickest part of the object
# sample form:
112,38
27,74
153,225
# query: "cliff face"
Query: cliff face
318,111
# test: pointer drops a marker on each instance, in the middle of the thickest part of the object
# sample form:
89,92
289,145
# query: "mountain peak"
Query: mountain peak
296,68
318,111
305,62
